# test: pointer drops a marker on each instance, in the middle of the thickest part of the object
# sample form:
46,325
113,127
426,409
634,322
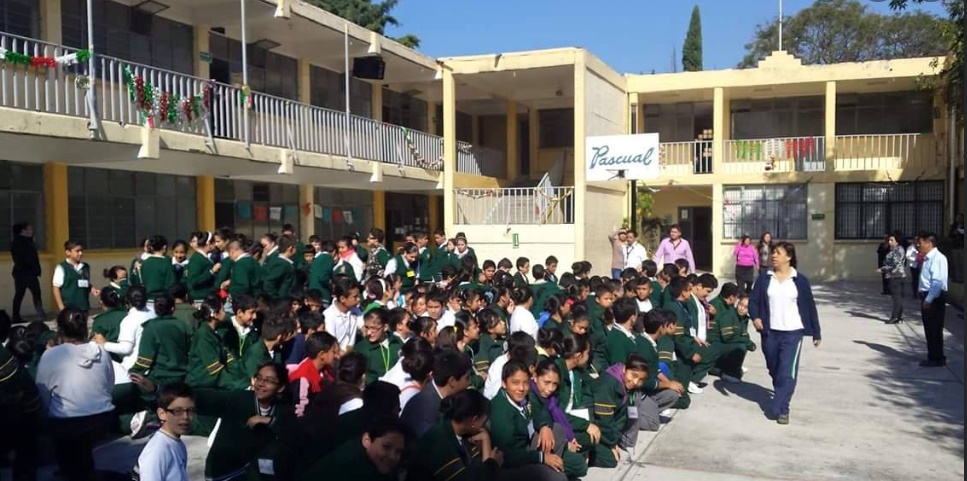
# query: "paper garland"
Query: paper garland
14,58
156,106
417,156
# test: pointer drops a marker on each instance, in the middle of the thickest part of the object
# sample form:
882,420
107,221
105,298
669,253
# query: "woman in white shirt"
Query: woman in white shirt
75,380
129,336
522,320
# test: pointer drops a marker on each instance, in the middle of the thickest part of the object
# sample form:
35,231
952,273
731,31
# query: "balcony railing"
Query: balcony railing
271,121
786,154
886,151
515,206
480,161
686,157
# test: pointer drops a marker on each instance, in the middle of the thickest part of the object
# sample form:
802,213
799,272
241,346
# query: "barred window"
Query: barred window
20,17
755,209
256,208
329,91
556,128
22,200
115,209
870,210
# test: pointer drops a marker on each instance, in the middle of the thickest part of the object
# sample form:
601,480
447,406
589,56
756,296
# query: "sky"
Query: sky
632,36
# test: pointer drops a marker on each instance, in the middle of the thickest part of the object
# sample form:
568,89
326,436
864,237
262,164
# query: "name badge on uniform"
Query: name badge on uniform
83,284
632,412
530,429
266,467
410,274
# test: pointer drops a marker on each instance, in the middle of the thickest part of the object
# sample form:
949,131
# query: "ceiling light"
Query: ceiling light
151,7
265,44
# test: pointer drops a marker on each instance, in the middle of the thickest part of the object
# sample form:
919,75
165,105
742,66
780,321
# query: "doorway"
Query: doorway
696,224
524,147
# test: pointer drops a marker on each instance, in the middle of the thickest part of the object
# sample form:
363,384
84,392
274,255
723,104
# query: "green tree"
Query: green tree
835,31
692,50
375,16
952,31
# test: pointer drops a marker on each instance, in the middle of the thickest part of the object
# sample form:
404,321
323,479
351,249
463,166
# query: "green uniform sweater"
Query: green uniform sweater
618,346
657,295
440,456
163,351
686,314
198,277
576,390
157,276
649,352
225,272
75,292
408,273
320,275
380,358
108,324
542,292
278,277
510,431
488,350
520,280
211,365
611,415
246,277
597,335
348,462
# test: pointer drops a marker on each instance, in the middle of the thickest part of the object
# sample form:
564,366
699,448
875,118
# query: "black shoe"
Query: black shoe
932,364
894,321
783,420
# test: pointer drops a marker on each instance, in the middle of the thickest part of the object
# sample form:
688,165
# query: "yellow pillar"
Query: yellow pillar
201,45
449,147
640,116
379,210
50,23
305,80
830,126
580,186
720,124
513,142
56,210
431,118
377,112
435,214
307,218
534,140
205,202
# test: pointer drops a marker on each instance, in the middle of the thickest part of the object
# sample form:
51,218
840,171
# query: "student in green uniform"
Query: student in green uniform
164,345
462,249
612,391
542,290
20,413
603,300
381,350
554,431
157,273
579,323
457,447
620,341
179,259
223,242
667,273
270,246
289,230
686,349
246,273
210,363
522,277
513,431
376,456
491,345
558,311
238,332
117,278
184,309
201,272
107,324
134,276
278,273
574,395
377,255
660,391
732,341
320,271
407,265
550,268
72,286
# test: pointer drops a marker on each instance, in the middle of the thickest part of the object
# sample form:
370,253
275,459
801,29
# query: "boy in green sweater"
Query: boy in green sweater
72,286
246,273
660,391
165,341
201,272
687,350
320,271
620,341
732,341
278,274
597,334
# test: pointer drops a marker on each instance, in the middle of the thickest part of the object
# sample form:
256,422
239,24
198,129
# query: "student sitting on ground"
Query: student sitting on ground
612,391
451,374
381,350
660,391
554,431
165,457
732,341
315,372
375,456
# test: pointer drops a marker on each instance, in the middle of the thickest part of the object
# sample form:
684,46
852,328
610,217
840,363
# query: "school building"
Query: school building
157,129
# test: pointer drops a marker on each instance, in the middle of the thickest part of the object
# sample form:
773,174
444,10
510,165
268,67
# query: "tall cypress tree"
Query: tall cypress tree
692,50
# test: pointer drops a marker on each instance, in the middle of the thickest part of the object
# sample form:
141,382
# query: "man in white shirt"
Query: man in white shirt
635,253
932,289
165,457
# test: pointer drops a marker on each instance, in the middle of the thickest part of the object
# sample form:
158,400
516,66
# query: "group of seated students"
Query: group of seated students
433,368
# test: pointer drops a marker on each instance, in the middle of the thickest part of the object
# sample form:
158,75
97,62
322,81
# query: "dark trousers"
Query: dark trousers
885,282
20,437
616,273
896,295
933,326
745,277
731,359
21,285
915,281
782,350
74,442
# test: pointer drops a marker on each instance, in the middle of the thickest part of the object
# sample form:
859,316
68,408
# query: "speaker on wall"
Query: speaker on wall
369,68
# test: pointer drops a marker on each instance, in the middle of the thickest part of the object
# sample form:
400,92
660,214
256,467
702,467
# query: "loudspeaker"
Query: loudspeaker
369,68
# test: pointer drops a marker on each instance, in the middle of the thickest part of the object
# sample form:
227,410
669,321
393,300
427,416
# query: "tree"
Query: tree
952,75
835,31
692,50
369,15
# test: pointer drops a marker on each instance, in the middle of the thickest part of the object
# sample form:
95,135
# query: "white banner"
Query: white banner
622,157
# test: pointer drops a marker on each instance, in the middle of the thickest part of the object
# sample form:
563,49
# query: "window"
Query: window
22,199
556,128
256,208
870,210
329,91
20,17
333,221
776,118
755,209
115,209
884,113
682,122
404,109
130,34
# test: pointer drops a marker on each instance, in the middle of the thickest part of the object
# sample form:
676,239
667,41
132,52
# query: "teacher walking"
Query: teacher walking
784,311
26,270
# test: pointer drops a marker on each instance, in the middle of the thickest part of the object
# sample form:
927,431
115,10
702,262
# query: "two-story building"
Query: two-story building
155,126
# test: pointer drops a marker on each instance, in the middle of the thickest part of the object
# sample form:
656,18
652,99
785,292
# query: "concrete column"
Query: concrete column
580,185
379,210
534,139
431,118
513,142
305,80
719,261
56,207
640,117
51,29
434,214
205,202
721,125
201,45
475,130
449,147
377,112
830,126
307,218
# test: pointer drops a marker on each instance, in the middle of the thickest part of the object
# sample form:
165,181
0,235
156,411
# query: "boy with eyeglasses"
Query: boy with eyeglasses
165,457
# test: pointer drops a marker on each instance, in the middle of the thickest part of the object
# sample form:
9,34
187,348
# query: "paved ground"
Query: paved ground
864,410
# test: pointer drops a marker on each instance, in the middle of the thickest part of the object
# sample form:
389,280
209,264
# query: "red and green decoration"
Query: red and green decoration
14,58
158,107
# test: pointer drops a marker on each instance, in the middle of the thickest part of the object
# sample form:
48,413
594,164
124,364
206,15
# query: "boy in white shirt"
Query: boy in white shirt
165,457
642,291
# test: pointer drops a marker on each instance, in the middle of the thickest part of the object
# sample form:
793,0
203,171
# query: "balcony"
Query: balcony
481,161
202,107
886,151
515,206
780,155
685,158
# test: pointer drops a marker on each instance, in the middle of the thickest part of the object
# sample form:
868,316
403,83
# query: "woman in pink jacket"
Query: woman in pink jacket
746,263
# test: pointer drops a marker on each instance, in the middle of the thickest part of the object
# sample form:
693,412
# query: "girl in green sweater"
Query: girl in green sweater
156,271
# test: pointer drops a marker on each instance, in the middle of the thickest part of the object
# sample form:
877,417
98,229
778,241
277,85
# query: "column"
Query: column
449,147
56,210
307,218
475,130
377,109
205,202
640,117
830,126
580,185
434,214
513,142
431,118
201,45
379,211
534,139
305,81
720,124
50,23
718,225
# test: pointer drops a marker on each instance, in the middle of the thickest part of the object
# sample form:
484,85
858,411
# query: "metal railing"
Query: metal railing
515,206
886,151
693,157
482,161
784,154
271,121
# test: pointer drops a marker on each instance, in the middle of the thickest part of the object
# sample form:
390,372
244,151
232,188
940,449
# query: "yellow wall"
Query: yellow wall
669,199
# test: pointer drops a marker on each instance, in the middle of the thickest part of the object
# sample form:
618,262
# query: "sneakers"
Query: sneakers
731,379
745,370
783,420
667,413
694,389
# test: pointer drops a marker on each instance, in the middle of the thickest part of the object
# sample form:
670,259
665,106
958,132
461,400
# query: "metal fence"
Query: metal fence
515,206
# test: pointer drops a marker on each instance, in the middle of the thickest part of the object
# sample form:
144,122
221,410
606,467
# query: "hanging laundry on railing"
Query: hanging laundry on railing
156,106
14,58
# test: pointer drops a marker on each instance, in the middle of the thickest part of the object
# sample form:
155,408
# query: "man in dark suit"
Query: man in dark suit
451,374
26,269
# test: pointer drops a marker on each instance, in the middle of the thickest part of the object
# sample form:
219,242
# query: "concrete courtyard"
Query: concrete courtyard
864,410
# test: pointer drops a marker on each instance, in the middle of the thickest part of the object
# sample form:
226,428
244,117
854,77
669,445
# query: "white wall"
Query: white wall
605,106
495,242
604,216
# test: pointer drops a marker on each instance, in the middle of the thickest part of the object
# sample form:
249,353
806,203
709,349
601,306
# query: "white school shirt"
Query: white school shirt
448,319
494,374
644,306
784,303
343,326
129,341
701,329
523,321
164,458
